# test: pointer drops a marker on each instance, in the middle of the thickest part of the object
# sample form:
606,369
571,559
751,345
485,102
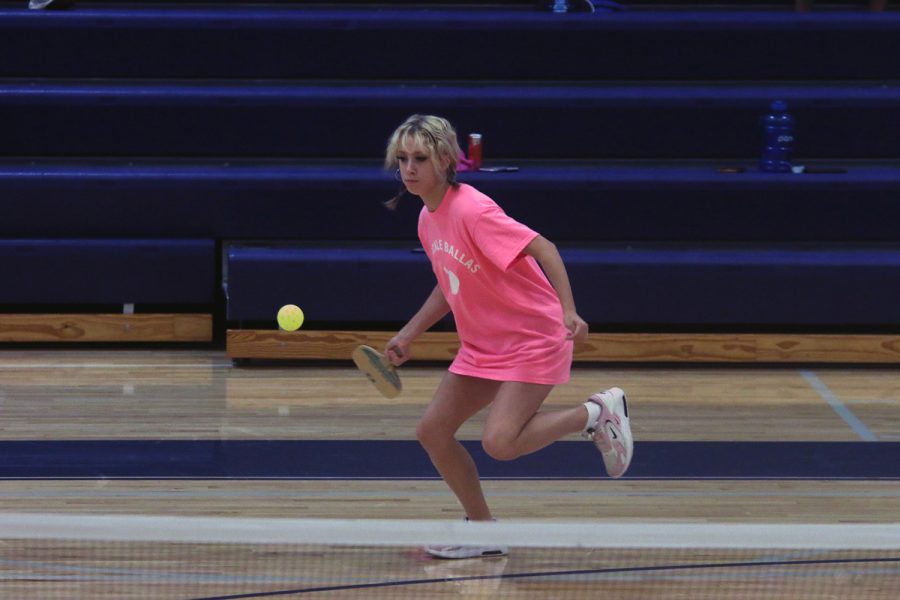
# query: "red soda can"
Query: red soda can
475,150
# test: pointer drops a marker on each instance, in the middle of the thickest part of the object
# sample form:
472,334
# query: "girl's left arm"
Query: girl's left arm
544,251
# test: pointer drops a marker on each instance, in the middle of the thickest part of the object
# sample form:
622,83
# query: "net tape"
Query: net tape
398,532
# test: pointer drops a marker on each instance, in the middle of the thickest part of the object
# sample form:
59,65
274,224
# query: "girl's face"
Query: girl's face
417,169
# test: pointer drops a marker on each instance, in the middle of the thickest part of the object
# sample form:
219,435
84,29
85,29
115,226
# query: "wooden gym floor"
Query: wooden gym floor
65,410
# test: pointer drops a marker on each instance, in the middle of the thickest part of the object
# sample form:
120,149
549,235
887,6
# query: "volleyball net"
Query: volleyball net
136,556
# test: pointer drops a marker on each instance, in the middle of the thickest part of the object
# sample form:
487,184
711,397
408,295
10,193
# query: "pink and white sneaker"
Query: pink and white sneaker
455,552
452,552
611,430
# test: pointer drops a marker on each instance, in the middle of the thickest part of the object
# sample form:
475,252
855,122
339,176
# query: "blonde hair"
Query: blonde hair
433,133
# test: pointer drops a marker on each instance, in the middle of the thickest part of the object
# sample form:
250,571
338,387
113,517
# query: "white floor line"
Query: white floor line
839,407
295,495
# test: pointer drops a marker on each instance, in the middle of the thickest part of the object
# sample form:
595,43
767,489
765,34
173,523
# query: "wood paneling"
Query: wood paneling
149,327
600,347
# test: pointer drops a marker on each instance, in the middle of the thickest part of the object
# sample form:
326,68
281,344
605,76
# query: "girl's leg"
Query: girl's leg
515,426
457,399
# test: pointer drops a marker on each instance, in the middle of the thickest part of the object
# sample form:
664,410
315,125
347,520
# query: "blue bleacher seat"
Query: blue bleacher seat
337,282
723,286
638,201
311,120
258,41
57,272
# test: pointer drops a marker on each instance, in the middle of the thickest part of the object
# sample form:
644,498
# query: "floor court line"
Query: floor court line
672,478
781,568
839,407
785,565
404,459
100,493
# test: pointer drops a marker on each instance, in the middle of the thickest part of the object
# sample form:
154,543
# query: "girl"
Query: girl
516,328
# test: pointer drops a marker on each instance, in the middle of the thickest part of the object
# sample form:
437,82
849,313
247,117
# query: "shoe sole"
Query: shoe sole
460,552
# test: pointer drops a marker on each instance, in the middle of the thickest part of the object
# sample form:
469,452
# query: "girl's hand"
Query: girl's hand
397,350
578,329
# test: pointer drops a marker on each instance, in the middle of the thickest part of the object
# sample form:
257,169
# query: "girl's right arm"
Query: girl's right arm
433,310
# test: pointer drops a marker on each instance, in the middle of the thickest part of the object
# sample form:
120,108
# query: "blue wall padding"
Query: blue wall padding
627,202
613,284
463,43
81,271
319,120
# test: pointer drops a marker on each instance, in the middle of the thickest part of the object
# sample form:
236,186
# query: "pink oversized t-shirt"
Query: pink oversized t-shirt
508,316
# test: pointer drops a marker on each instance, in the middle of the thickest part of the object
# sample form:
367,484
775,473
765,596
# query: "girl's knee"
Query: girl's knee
432,436
500,447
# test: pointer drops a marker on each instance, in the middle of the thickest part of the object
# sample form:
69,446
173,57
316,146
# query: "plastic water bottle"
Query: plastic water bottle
778,139
560,6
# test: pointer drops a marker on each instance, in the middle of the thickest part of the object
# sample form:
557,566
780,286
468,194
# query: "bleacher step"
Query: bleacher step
626,201
496,43
302,119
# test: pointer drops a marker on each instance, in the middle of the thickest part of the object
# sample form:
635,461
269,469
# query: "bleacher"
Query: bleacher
209,162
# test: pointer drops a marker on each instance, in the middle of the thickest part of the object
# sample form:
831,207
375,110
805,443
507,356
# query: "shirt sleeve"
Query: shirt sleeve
500,237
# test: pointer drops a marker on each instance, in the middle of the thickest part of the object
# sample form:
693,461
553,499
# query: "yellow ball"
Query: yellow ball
290,317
